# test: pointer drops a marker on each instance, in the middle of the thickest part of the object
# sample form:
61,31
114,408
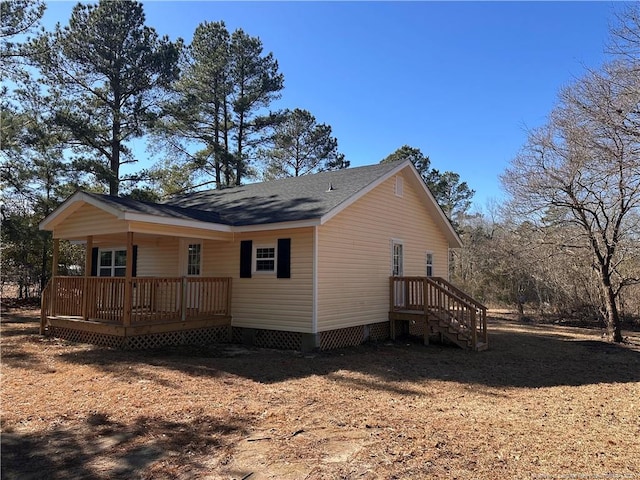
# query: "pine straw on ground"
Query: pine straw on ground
544,402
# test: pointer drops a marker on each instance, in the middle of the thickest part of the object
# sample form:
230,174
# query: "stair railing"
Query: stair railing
436,295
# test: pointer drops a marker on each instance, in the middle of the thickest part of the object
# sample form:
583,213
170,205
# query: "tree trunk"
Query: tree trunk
227,167
239,166
43,265
115,162
216,148
614,328
114,181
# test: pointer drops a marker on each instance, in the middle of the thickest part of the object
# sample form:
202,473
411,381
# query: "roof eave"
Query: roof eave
310,222
70,205
176,222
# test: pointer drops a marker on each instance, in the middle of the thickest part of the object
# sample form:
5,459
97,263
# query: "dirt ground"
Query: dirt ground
545,402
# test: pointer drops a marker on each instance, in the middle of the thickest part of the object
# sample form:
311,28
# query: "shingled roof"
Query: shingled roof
286,200
305,200
128,205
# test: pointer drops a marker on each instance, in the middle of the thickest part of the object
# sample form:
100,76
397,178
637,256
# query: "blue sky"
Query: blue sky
462,81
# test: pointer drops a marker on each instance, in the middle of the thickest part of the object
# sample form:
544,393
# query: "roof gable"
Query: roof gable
286,200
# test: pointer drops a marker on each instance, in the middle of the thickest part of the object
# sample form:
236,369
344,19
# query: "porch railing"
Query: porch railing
437,296
152,299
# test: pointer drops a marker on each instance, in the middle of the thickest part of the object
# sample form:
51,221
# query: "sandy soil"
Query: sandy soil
544,402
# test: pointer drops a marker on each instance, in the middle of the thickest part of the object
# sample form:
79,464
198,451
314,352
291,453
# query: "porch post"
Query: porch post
183,299
128,290
87,271
54,274
425,294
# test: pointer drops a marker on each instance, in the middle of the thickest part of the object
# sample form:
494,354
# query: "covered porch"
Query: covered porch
135,312
143,283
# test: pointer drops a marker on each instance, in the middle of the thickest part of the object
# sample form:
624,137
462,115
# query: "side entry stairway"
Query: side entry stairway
435,307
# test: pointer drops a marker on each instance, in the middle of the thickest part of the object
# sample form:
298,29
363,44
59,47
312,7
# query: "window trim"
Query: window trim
394,242
113,266
429,264
187,258
254,259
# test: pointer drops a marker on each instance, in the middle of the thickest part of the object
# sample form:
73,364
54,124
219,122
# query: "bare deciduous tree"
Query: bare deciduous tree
580,175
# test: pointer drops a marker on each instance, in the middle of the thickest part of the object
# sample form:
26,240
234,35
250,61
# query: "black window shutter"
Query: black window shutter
246,247
284,258
134,269
94,261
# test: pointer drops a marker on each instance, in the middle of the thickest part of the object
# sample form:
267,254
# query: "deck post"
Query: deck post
474,331
183,299
128,290
54,274
425,293
87,271
392,304
227,310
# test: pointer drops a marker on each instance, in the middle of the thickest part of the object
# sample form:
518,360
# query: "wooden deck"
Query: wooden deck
155,306
432,307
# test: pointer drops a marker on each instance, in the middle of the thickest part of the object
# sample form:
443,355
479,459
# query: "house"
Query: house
318,261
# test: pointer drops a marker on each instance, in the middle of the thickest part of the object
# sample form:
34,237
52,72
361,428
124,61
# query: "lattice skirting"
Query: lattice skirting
352,336
340,338
417,329
283,340
80,336
200,336
236,334
379,331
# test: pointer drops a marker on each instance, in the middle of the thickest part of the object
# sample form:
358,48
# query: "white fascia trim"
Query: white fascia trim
175,222
329,215
72,204
277,226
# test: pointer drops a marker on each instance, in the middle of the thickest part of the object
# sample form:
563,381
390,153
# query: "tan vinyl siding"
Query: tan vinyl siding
88,220
264,301
158,258
354,253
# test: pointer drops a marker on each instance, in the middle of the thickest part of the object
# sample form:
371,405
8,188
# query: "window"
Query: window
429,262
194,259
113,263
265,259
262,259
397,260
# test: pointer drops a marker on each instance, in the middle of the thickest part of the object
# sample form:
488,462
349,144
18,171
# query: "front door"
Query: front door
397,270
192,254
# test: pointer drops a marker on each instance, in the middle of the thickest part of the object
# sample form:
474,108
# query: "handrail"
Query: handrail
458,292
433,294
480,308
454,295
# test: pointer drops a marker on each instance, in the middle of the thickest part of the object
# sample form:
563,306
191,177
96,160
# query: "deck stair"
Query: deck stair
435,308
